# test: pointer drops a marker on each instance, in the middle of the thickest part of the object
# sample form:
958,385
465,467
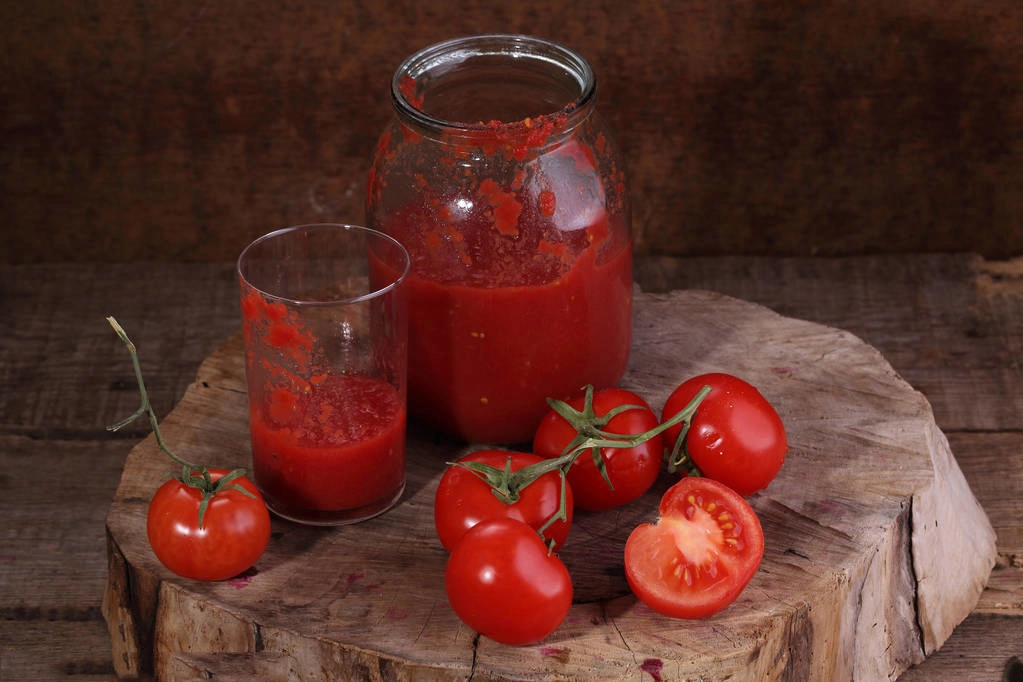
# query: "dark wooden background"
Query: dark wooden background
178,131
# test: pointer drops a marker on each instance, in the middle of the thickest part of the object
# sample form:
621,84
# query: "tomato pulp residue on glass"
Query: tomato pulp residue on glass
320,441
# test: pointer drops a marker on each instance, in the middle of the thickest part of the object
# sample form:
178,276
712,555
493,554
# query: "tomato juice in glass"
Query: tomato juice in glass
325,352
502,182
346,453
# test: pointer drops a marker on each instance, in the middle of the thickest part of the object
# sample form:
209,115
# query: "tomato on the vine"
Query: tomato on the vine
735,436
502,581
234,533
629,470
699,555
464,498
205,524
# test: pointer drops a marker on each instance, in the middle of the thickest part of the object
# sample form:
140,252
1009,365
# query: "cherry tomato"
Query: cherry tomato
736,436
464,499
235,529
502,582
631,470
701,553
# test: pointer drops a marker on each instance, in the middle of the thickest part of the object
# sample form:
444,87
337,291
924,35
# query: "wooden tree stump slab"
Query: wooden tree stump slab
875,546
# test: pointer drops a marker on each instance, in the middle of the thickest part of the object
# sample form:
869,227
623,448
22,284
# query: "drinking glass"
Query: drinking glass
324,316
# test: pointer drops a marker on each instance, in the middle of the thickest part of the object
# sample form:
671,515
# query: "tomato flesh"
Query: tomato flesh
700,554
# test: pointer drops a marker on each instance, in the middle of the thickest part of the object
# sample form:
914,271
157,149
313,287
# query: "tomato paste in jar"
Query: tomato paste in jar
503,184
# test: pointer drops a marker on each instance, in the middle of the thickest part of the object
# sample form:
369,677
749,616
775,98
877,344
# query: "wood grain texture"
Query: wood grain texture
52,650
69,376
181,131
980,454
41,537
875,545
961,659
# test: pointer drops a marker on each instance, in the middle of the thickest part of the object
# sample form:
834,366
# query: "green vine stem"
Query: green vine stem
192,475
590,435
146,407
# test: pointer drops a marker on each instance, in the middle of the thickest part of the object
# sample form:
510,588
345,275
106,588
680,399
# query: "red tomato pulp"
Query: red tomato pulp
700,554
488,344
345,452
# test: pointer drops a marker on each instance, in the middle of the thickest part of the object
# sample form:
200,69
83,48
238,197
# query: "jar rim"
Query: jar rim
514,46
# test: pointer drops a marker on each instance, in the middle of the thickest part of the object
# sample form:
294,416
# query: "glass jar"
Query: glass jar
501,180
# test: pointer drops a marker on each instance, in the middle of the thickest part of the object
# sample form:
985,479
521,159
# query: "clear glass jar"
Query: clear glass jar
499,177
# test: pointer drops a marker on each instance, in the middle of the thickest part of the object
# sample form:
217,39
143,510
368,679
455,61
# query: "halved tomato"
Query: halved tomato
699,555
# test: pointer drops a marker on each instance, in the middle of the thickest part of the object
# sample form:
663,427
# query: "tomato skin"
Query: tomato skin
631,470
463,499
502,582
736,435
235,532
707,533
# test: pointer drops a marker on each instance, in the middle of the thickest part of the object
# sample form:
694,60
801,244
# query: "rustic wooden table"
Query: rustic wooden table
952,325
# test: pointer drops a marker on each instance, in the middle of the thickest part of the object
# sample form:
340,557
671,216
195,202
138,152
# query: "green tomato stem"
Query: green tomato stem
146,407
508,485
192,475
591,437
560,515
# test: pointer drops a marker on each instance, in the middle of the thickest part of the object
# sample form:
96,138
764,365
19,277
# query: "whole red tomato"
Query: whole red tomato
235,529
701,553
464,499
735,437
630,470
502,581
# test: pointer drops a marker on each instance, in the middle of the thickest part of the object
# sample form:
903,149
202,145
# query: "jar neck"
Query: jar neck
507,88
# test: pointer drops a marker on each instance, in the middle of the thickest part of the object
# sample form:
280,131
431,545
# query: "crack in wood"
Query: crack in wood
797,553
910,526
475,655
257,637
609,619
